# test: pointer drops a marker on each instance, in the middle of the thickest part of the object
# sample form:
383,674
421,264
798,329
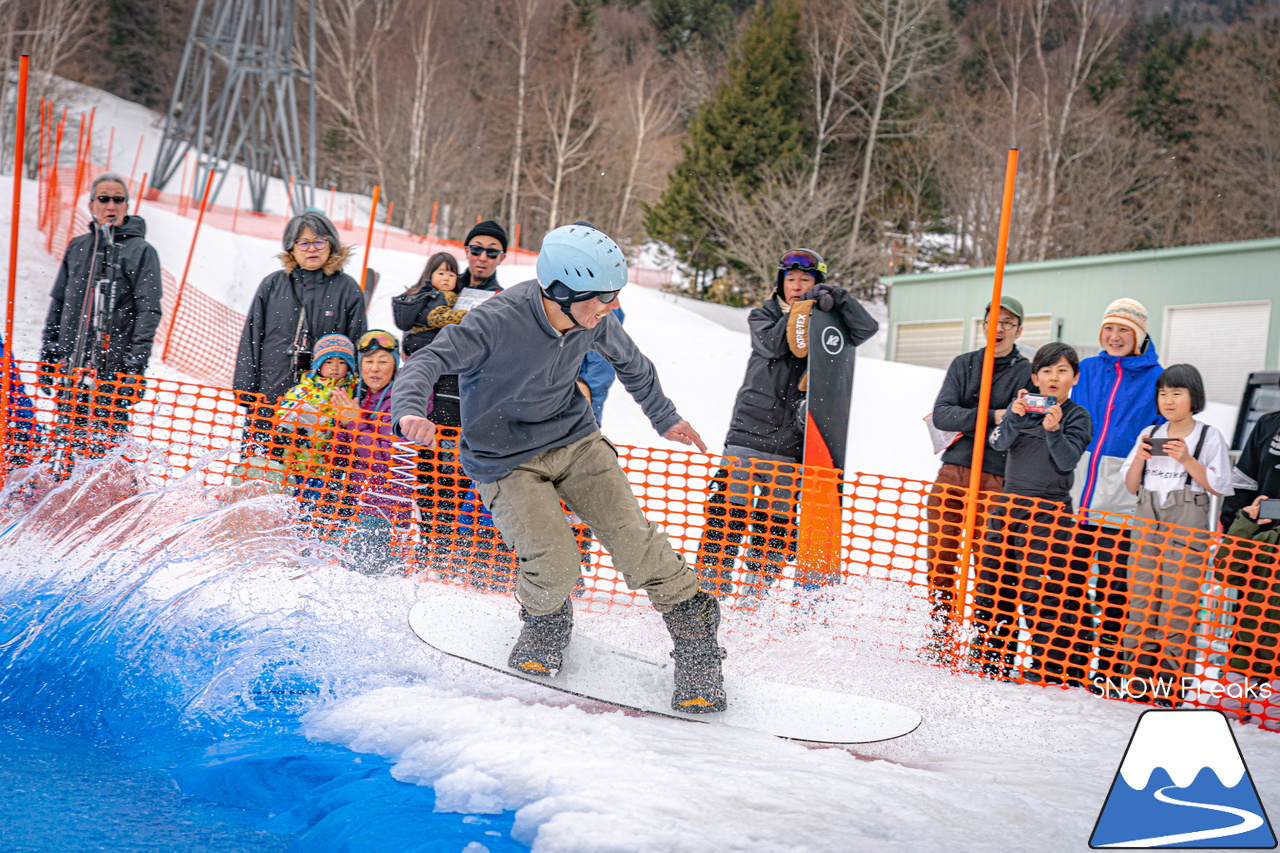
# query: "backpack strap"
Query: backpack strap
1204,430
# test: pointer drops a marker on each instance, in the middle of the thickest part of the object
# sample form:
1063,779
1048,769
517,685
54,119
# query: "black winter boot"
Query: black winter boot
540,648
699,684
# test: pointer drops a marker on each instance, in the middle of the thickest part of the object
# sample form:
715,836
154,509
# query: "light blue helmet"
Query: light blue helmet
583,258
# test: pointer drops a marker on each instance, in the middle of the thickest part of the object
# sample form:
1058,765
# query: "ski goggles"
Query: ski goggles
377,340
477,251
803,260
561,292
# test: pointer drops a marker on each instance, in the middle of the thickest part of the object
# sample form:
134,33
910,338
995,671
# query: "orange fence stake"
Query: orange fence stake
136,158
168,339
142,190
19,145
368,243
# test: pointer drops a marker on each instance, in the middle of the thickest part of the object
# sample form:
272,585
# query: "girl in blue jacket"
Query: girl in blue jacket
1118,387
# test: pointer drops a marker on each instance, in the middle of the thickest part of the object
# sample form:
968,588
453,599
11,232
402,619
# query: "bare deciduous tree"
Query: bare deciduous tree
518,34
652,115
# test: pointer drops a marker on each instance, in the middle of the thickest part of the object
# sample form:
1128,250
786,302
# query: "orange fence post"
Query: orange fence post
235,212
177,304
984,393
517,243
142,190
368,243
111,143
431,232
19,144
136,158
53,180
75,196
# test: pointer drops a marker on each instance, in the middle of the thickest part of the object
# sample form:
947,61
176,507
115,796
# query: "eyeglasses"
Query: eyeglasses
377,340
802,260
477,251
1006,325
306,245
111,199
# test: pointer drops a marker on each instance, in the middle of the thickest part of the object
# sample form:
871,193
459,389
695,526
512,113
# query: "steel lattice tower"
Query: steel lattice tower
235,100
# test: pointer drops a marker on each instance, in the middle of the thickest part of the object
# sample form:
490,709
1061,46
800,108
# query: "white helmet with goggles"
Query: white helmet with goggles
580,262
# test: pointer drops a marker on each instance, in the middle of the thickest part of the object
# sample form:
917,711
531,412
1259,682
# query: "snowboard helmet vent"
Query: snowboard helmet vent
583,259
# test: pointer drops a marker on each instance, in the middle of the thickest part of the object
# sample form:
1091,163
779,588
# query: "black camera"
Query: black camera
301,361
1039,403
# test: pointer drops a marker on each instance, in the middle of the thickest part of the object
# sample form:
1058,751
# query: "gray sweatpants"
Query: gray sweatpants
526,507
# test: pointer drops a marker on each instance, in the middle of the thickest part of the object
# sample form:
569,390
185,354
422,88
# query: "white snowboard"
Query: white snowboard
483,632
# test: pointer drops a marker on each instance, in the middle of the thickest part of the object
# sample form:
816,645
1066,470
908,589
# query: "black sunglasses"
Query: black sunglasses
111,199
476,251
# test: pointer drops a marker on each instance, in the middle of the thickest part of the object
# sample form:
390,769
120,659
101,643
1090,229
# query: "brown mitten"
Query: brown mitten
798,322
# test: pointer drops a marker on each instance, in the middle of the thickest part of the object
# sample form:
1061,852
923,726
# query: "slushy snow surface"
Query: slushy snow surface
993,767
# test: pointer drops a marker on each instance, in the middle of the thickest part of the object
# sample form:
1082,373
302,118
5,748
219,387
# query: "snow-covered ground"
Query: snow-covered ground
993,767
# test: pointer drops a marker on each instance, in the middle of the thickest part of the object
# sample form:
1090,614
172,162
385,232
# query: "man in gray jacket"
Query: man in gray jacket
529,439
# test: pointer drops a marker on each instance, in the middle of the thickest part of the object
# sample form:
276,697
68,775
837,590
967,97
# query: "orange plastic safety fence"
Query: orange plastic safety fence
1127,608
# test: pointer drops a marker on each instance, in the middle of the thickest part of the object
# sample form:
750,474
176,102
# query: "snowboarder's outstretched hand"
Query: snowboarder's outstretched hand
419,430
824,295
681,432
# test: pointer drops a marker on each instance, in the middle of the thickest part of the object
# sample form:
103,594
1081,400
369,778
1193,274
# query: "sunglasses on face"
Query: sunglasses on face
477,251
376,340
111,199
306,245
803,261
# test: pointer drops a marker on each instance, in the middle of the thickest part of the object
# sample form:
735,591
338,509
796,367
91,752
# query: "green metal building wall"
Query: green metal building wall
1078,290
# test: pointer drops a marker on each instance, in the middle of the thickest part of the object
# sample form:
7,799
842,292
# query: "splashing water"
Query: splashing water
178,634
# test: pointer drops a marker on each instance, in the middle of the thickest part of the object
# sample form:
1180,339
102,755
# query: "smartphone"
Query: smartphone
1039,403
1157,445
1269,510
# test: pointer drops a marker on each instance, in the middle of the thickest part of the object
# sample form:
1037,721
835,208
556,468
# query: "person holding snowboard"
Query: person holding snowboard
755,491
529,440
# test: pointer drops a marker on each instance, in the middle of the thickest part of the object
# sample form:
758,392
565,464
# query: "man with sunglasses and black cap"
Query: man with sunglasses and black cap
768,422
105,306
529,440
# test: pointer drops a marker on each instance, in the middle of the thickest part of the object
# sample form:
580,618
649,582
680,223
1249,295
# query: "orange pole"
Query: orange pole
53,180
984,393
368,243
20,141
142,190
387,224
136,158
75,196
168,339
19,146
88,139
235,213
431,232
111,143
517,244
291,193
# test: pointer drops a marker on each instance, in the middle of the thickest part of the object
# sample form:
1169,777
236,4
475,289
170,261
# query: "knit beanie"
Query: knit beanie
1127,312
488,228
333,346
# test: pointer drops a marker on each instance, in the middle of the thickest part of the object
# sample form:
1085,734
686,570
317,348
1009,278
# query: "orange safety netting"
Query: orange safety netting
1129,608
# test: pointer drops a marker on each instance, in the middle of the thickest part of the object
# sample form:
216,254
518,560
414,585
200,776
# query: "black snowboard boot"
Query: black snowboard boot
699,685
540,648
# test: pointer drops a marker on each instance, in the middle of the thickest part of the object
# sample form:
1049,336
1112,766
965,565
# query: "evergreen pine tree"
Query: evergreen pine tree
754,122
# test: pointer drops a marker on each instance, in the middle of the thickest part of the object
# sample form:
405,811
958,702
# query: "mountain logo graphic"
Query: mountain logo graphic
1183,783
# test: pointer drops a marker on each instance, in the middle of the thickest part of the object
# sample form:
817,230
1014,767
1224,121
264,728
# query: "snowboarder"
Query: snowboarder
529,440
103,314
768,420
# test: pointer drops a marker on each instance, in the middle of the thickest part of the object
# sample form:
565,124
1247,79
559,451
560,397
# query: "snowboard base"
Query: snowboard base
483,632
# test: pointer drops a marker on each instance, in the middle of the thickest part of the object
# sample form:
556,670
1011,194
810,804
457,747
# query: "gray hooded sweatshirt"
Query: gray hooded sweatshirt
518,381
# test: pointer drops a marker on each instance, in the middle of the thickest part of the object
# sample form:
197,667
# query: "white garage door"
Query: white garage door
931,344
1226,341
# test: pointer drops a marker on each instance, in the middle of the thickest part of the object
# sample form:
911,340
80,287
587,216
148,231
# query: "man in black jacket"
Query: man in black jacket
956,410
765,443
103,312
